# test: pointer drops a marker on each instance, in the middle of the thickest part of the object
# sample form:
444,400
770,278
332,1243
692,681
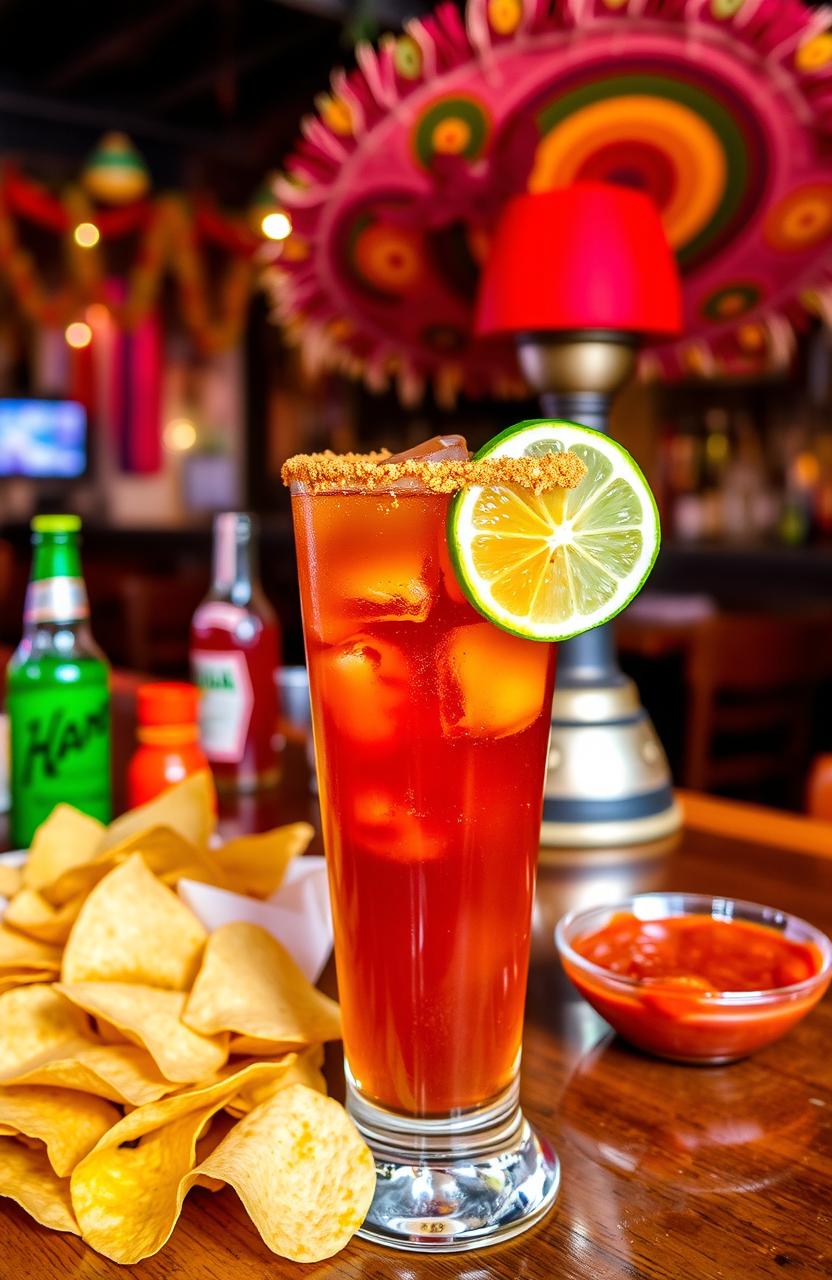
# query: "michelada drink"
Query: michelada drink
432,585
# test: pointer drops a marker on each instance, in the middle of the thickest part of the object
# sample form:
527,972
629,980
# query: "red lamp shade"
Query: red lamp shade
590,256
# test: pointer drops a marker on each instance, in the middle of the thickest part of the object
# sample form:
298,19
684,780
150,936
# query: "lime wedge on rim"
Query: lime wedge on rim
552,565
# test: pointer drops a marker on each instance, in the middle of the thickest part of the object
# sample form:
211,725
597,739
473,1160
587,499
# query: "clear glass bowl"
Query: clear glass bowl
686,1025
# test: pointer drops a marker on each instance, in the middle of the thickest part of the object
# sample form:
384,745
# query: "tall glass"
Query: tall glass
431,731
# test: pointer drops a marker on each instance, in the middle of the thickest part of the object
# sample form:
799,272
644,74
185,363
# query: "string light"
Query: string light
276,226
806,470
87,235
78,335
98,315
179,435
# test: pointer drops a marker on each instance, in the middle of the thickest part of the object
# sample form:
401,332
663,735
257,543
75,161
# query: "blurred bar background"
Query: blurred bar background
731,645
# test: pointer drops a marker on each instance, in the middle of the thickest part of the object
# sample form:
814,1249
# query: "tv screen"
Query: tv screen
43,438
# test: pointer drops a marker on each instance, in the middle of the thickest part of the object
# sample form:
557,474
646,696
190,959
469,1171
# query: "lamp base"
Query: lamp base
608,781
612,835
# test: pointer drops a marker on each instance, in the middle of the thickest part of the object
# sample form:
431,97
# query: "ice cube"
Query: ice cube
375,562
364,687
374,590
383,824
437,449
491,684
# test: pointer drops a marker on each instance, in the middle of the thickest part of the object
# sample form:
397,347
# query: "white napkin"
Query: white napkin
298,915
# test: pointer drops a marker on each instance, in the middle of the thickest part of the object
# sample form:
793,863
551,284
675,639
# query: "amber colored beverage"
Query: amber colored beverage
431,731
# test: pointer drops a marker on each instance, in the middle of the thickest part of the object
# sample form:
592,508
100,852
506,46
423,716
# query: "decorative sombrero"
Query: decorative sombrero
720,109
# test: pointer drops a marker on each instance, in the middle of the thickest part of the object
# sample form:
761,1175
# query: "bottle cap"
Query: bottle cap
56,524
167,702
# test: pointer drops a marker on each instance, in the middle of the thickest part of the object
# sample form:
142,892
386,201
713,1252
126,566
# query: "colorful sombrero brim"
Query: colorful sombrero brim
720,109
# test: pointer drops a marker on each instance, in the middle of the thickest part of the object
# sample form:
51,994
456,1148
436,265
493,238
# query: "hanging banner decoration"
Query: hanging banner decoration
172,234
115,172
721,110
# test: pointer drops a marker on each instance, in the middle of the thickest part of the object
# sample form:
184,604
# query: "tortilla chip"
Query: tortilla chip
30,913
208,1093
215,1129
121,1073
151,1019
212,1135
133,929
256,865
128,1198
67,838
35,1019
306,1069
302,1068
69,1124
282,1150
188,808
249,984
27,1178
202,872
163,851
254,1047
11,978
106,1031
19,952
218,1127
11,879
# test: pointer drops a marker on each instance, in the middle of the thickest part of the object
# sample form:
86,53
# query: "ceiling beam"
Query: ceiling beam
203,80
233,148
391,14
125,42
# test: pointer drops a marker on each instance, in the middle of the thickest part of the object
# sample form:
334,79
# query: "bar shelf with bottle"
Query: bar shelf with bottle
744,466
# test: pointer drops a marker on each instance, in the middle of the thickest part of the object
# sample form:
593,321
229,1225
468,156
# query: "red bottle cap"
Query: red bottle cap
167,703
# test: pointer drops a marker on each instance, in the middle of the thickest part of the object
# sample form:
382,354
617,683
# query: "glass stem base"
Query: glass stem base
445,1185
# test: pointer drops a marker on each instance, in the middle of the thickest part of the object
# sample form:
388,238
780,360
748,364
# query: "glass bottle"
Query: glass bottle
235,654
168,736
58,690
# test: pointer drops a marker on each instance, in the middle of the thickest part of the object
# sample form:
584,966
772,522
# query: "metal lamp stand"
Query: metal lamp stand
608,780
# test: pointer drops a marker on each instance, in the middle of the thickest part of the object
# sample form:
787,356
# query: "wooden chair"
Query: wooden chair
819,788
756,823
750,682
157,616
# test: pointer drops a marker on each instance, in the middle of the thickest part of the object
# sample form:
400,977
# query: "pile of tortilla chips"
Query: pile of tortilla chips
140,1056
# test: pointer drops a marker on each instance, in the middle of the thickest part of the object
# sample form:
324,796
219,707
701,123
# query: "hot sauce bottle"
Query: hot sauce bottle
168,750
235,653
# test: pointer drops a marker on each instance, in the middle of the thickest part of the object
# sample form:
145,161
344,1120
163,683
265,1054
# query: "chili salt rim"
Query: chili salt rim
331,472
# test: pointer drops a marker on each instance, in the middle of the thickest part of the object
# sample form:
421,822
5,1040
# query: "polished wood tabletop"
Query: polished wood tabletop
669,1172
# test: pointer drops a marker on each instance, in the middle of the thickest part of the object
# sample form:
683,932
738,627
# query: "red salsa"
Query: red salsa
663,983
722,955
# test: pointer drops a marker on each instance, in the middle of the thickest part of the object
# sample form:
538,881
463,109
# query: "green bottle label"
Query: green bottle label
60,750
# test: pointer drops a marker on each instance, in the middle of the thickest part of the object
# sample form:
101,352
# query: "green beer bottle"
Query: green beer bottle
58,690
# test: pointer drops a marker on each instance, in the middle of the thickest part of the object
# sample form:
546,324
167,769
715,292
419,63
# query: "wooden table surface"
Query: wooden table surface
669,1172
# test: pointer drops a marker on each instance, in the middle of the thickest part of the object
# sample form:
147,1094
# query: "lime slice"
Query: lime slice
554,565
